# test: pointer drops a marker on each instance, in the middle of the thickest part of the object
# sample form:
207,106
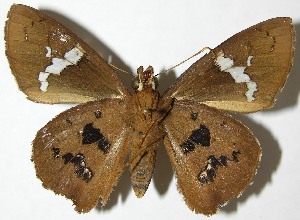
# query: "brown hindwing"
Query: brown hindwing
214,156
80,153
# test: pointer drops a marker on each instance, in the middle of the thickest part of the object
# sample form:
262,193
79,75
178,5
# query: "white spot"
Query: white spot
226,64
61,36
45,135
153,84
252,87
44,86
209,166
74,55
86,170
26,36
249,60
64,37
71,57
57,66
48,54
203,174
43,76
140,88
223,62
238,74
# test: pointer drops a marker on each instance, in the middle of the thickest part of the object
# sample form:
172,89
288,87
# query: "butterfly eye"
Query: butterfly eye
135,83
155,82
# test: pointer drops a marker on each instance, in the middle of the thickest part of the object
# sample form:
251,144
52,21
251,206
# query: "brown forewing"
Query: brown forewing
80,153
27,33
204,140
271,43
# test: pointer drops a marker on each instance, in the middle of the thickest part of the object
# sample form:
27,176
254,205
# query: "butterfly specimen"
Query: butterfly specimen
82,152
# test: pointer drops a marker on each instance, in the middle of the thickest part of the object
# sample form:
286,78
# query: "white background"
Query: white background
158,33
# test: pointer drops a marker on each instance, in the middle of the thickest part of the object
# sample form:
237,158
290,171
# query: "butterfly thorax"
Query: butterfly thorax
147,131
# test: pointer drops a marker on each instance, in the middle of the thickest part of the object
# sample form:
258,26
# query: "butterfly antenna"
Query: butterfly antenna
119,69
196,54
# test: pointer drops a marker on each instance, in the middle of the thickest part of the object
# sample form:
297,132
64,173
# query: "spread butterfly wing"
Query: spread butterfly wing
214,156
244,73
53,65
80,153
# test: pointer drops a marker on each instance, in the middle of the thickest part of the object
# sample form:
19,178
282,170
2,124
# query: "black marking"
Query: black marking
214,161
81,170
104,145
69,121
235,156
187,146
199,136
67,157
209,173
194,116
273,45
78,159
223,160
56,152
92,135
98,114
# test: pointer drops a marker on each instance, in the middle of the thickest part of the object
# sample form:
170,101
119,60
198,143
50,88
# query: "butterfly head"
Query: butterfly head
144,79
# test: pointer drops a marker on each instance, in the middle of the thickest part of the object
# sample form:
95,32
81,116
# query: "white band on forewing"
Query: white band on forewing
58,65
237,73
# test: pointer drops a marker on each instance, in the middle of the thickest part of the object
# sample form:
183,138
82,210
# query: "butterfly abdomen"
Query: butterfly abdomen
147,133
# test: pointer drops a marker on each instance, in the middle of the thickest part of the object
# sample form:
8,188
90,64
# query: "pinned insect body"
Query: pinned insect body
82,152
